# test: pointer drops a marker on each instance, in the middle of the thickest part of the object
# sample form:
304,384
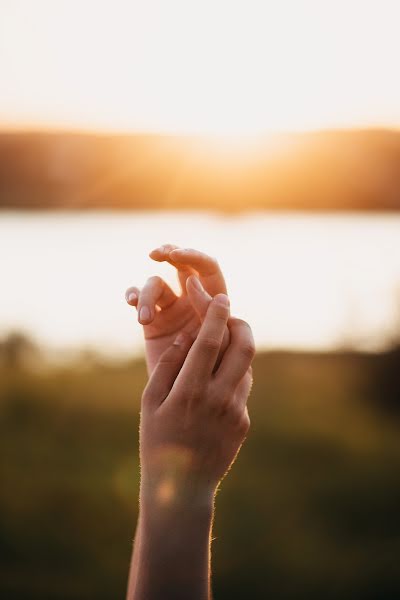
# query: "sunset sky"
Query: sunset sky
209,66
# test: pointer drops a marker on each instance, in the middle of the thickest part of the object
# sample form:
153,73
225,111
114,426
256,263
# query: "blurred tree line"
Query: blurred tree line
331,170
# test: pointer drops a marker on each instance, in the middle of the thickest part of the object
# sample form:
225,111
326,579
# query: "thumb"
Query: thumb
166,371
199,298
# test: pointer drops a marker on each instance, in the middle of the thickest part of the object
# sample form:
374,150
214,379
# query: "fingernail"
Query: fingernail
132,297
180,338
195,281
222,300
144,313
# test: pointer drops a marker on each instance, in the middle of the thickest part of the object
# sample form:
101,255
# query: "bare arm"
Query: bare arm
193,422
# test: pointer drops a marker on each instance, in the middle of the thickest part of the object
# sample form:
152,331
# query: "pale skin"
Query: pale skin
162,313
194,420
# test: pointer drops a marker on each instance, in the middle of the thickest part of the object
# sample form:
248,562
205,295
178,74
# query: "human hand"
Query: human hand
194,418
162,313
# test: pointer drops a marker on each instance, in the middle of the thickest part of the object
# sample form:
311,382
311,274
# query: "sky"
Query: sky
204,66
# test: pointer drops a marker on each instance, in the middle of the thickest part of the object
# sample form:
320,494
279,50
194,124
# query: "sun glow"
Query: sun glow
204,67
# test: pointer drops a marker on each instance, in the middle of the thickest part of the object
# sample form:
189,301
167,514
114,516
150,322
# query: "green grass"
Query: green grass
310,510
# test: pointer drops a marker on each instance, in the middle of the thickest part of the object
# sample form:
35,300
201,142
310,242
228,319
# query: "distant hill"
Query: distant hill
332,170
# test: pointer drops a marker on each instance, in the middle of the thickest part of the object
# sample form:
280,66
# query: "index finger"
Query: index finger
201,359
162,254
207,267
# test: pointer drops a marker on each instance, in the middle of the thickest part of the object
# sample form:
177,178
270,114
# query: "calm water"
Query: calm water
302,280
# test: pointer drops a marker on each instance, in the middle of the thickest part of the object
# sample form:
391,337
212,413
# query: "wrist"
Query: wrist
168,525
166,497
175,521
173,542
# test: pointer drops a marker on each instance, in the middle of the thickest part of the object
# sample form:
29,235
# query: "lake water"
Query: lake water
302,280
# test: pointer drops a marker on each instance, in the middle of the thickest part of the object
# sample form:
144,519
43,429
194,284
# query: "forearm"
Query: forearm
193,423
171,557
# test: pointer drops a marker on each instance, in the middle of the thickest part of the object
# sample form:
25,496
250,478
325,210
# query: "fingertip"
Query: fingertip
131,296
155,254
132,299
162,253
222,300
145,315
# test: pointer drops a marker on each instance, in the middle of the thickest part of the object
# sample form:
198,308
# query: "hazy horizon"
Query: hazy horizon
189,67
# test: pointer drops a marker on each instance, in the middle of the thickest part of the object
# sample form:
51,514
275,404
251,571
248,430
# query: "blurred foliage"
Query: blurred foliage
17,351
310,510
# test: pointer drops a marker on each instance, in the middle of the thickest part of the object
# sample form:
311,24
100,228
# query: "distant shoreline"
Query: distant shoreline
336,170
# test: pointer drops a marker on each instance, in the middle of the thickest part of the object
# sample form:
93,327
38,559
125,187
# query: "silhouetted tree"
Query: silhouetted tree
17,351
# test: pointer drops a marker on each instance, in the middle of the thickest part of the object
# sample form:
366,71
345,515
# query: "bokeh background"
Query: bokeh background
266,134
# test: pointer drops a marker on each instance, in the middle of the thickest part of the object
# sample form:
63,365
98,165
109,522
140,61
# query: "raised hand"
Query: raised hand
193,421
194,415
162,313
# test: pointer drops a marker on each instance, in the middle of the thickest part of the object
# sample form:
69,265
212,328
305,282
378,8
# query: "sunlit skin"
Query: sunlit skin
193,421
162,313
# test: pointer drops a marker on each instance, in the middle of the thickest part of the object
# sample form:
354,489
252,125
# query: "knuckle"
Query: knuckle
219,401
248,350
147,397
155,280
244,423
193,392
209,344
235,415
236,322
167,247
238,417
167,360
170,356
220,313
212,262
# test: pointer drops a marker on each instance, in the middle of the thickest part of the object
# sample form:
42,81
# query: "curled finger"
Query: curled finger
132,295
154,293
164,254
207,267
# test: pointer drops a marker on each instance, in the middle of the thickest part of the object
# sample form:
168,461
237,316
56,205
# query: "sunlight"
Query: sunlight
199,67
229,150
